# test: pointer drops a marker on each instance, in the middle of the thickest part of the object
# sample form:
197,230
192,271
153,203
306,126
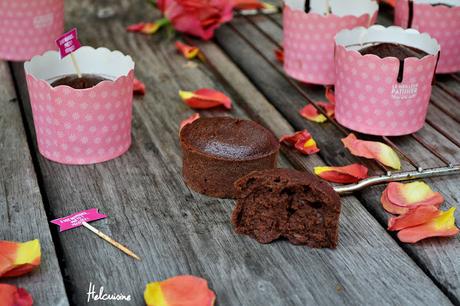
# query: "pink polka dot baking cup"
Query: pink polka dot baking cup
308,39
441,22
29,27
82,126
381,96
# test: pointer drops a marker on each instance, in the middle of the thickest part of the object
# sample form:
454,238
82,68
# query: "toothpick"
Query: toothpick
111,241
328,8
75,64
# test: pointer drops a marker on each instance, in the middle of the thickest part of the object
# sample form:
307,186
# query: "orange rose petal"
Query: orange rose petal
416,216
441,226
413,194
346,174
329,108
144,27
248,4
390,2
189,52
138,87
183,290
310,112
13,296
302,141
18,258
279,54
205,98
373,150
189,120
391,208
330,95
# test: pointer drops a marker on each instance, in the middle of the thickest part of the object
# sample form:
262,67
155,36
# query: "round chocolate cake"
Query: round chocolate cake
399,51
285,203
218,151
86,81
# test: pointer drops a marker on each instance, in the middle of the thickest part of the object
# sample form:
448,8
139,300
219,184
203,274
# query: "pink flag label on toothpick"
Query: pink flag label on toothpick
76,219
68,43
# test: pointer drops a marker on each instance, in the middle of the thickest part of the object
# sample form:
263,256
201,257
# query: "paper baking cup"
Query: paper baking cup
373,96
309,38
82,126
29,27
441,22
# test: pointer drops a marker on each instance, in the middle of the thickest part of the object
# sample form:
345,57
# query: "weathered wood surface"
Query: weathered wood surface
22,213
261,33
177,231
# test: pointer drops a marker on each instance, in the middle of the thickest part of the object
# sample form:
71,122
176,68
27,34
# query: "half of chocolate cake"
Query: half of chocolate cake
284,203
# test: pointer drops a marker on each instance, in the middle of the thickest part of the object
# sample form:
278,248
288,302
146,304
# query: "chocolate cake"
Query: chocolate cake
86,81
399,51
284,203
218,151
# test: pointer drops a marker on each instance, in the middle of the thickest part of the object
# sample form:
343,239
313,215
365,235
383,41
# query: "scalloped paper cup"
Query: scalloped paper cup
308,38
29,27
441,22
82,126
373,95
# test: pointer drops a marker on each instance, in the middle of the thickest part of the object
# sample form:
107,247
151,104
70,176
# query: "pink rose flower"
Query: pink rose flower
197,17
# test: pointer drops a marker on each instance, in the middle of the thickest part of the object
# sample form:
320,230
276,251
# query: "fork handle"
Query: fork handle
397,177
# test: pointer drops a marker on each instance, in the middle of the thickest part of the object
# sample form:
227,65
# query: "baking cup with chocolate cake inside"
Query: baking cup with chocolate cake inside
217,151
81,120
384,79
29,27
440,19
284,203
308,37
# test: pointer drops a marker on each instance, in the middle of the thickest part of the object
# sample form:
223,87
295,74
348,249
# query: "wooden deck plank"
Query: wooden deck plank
176,231
22,214
437,257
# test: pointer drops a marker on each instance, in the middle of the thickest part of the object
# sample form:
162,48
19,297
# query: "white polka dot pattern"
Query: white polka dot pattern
29,27
82,126
369,98
442,23
308,41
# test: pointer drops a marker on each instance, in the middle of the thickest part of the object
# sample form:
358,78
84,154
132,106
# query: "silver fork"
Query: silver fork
398,177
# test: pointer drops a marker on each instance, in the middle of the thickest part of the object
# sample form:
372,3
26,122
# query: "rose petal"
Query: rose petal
413,194
390,2
391,208
279,54
302,141
248,4
189,52
189,120
138,87
413,217
373,150
13,296
441,226
19,258
330,95
346,174
144,27
329,108
310,112
183,290
205,98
